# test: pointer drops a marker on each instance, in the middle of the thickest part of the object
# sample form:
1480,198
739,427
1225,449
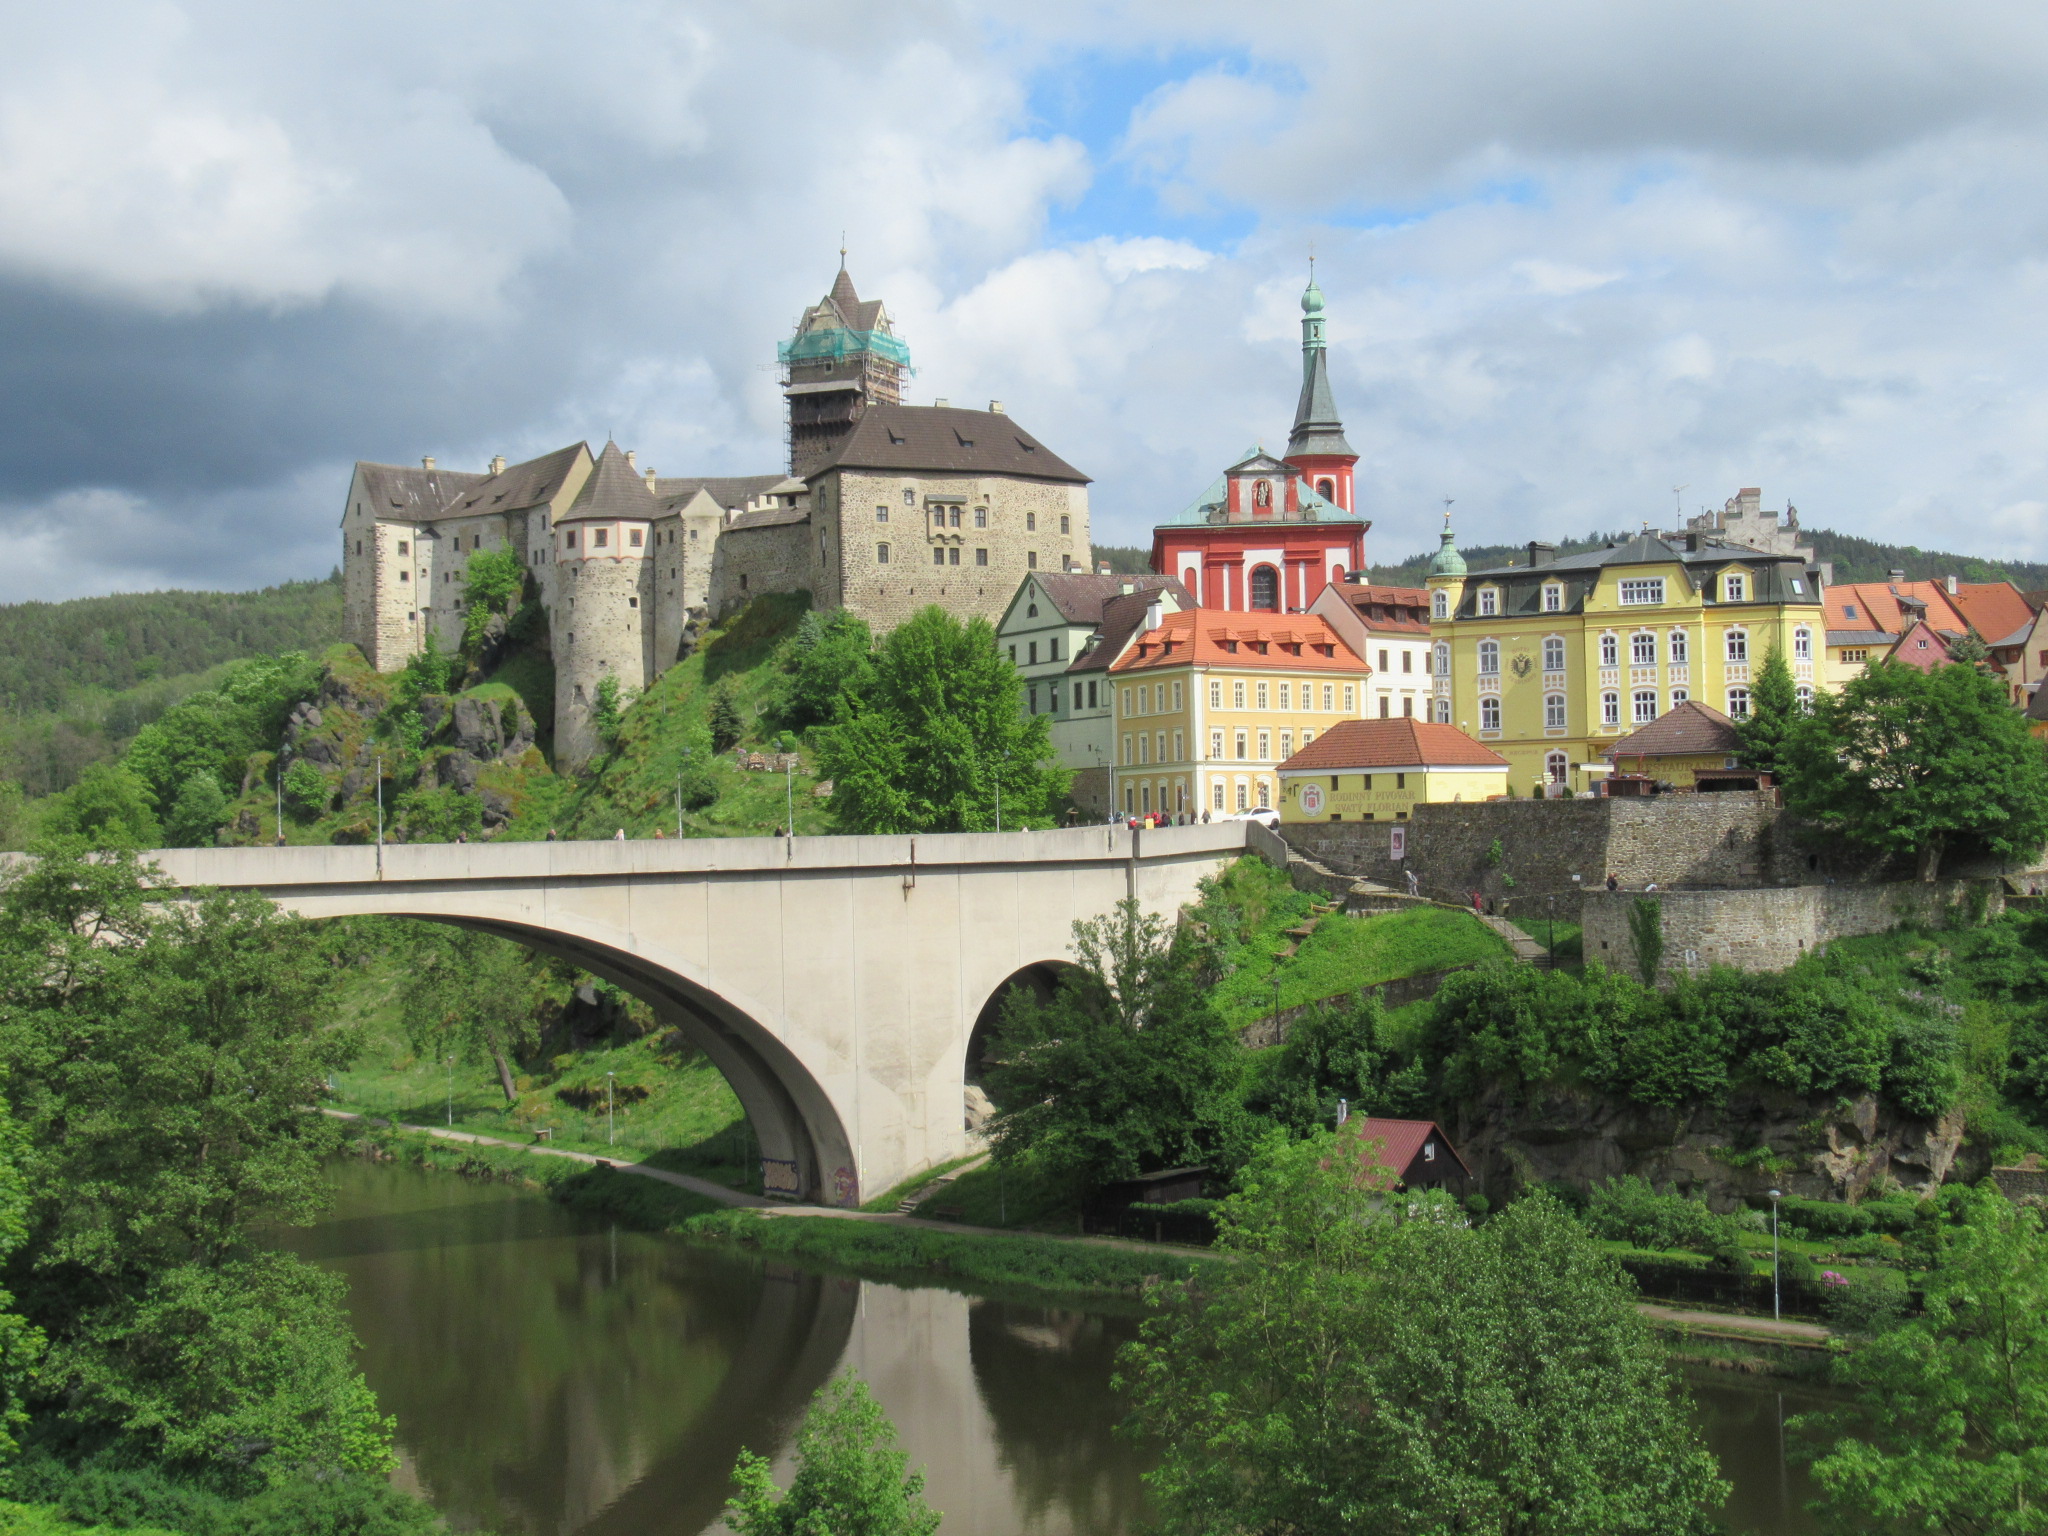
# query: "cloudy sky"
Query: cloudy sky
1577,254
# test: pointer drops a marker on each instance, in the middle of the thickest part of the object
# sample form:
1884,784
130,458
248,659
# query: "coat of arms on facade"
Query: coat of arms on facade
1522,664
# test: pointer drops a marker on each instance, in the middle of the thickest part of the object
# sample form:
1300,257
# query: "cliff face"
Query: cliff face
1726,1153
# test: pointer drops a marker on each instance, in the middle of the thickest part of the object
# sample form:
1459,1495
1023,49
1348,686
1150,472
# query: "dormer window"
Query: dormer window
1735,587
1553,598
1489,602
1440,605
1848,609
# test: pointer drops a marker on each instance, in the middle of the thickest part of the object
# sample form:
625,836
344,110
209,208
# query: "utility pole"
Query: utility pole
451,1092
1776,1196
282,754
380,816
789,790
610,1127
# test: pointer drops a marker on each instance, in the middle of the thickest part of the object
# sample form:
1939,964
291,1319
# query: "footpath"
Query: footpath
1733,1326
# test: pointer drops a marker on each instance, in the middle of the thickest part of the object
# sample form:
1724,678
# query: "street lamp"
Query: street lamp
1776,1195
282,754
1276,1007
451,1093
380,815
610,1135
789,789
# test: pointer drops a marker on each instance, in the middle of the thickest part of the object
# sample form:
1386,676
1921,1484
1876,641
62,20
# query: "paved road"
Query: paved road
1763,1330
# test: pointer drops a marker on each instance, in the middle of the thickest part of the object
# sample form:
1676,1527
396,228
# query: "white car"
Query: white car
1270,819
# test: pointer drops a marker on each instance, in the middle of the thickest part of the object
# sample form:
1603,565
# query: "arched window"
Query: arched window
1262,494
881,554
1556,765
1804,692
1738,703
1802,644
1675,648
1489,713
1738,648
1642,649
1645,705
1610,651
1553,711
1553,654
1679,696
1489,657
1265,587
1443,711
1610,709
1443,658
1440,605
1327,489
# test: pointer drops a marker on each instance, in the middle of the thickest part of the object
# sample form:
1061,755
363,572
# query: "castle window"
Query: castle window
693,535
881,514
956,518
981,557
909,496
1031,560
1440,605
602,538
1265,587
403,548
1646,706
1031,522
938,554
881,554
1066,525
405,575
743,581
632,602
569,539
938,517
638,538
1553,654
953,556
981,517
1610,709
359,546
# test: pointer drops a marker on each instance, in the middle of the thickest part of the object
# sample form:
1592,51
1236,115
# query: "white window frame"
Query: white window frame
1610,708
1443,711
1553,653
1489,602
1610,649
1642,592
1802,644
1489,658
1642,648
1735,587
1489,712
1738,703
1735,646
1643,706
1553,712
1553,597
1677,647
1440,605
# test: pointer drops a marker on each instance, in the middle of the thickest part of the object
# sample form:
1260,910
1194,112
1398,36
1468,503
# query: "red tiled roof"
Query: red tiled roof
1691,729
1297,643
1363,599
1402,743
1404,1140
1996,609
1877,606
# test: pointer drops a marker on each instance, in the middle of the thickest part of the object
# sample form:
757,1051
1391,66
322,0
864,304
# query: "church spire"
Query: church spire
1317,444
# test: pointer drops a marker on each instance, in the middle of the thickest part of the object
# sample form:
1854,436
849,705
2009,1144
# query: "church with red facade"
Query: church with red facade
1271,533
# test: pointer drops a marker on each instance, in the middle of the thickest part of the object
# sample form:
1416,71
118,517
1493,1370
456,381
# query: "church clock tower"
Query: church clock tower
1317,446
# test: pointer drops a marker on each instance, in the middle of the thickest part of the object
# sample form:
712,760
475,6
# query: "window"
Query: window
1216,795
953,555
1327,489
1383,662
909,496
953,518
1265,745
1556,765
1127,701
1031,560
1262,695
938,517
1640,590
1127,749
1176,686
1804,693
1738,703
1144,748
1031,654
1329,698
1443,711
1066,525
1675,648
1645,705
1287,695
1265,800
1610,651
1642,649
881,554
404,548
1243,746
1738,645
1440,605
1553,598
1266,588
1243,796
1553,711
1052,649
637,538
1350,697
1798,587
602,538
981,517
1031,522
881,516
1443,661
1013,655
1407,661
1489,658
1286,745
405,575
1032,694
1091,696
1679,696
981,557
1215,743
938,554
1610,709
1237,695
1848,609
1553,654
1489,602
1802,644
1215,695
1734,587
1407,705
1386,706
1853,656
1178,739
1489,713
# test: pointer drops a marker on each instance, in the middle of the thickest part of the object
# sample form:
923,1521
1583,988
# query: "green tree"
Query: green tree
470,995
196,814
15,817
1969,650
214,732
305,788
850,1478
21,1344
109,807
1127,1067
493,579
936,742
829,663
1380,1365
1330,1053
427,670
1913,762
1950,1428
1646,936
608,711
727,726
1773,712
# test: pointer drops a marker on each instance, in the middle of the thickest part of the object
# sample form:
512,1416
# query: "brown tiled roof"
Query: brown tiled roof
614,489
518,486
1363,599
936,439
769,517
730,491
1079,596
1300,642
1123,617
1402,743
411,493
1691,729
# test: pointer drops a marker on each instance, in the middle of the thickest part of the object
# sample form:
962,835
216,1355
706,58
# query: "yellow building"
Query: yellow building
1210,703
1552,661
1380,770
1686,740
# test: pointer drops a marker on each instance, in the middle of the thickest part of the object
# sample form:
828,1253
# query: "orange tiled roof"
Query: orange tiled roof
1995,608
1298,642
1402,743
1363,599
1876,606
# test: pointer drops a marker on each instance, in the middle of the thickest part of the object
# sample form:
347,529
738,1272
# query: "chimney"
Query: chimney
629,460
427,462
1951,584
498,464
1898,575
995,407
1541,554
1154,615
942,402
650,478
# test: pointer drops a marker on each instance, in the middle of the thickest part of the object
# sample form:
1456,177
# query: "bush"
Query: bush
100,1492
1628,1210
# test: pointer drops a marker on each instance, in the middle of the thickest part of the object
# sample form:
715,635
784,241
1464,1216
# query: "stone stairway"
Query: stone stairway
1526,949
925,1192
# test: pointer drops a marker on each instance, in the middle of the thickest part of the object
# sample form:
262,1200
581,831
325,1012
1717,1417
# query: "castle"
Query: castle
884,509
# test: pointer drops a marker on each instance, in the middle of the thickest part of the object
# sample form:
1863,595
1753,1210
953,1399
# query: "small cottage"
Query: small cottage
1417,1153
1687,739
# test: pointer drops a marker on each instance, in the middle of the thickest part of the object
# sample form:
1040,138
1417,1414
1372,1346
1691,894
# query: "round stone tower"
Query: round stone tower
603,624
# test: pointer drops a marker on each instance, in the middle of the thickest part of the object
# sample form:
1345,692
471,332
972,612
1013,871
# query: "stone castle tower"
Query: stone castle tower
844,357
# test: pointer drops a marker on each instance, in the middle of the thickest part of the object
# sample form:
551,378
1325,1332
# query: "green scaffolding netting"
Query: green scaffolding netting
833,344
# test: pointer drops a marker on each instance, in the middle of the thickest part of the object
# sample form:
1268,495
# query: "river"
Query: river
554,1375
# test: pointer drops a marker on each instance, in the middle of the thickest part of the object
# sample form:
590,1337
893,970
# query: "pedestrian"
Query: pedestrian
659,835
1613,881
619,836
1478,905
1414,885
462,837
1205,815
553,835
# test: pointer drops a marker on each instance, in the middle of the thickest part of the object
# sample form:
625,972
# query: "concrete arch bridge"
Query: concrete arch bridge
836,981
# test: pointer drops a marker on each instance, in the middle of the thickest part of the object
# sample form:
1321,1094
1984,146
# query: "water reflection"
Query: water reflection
552,1375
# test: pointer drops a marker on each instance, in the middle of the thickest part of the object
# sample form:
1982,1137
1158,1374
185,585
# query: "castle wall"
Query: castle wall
1023,520
772,557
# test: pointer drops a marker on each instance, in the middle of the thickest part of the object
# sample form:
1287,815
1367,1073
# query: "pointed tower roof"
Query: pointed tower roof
614,489
1317,429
